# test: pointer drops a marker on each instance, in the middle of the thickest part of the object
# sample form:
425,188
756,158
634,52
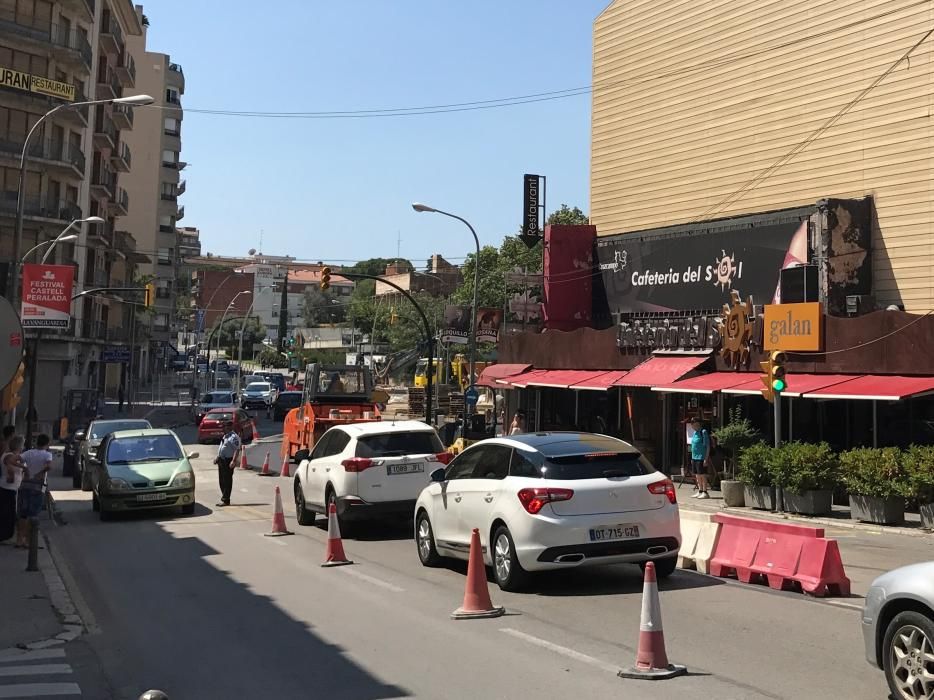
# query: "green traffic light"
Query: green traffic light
778,385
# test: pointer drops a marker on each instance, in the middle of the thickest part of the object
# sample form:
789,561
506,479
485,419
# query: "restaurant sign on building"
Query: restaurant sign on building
794,327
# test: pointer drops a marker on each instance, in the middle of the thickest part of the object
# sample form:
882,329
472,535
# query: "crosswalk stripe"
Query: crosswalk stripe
36,690
17,655
34,670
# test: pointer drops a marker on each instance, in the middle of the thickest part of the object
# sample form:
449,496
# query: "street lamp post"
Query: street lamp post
242,331
14,291
194,374
476,285
223,318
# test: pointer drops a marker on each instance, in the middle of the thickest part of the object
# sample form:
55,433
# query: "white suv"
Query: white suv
549,501
370,470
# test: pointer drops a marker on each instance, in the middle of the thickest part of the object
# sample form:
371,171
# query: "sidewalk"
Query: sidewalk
27,613
867,550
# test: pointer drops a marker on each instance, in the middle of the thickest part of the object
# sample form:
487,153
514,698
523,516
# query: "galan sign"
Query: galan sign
47,296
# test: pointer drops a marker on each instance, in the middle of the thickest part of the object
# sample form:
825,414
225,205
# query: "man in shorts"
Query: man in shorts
700,456
30,499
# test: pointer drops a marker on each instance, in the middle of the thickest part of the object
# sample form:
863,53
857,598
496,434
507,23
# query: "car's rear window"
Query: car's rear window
219,416
398,444
596,466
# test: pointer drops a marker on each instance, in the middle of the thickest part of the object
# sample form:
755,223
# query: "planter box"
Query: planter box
882,511
809,502
761,497
733,493
927,515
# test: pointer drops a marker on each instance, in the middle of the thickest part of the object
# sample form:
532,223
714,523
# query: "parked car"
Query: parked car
219,365
549,501
285,402
258,395
142,469
369,470
211,427
89,441
898,629
215,399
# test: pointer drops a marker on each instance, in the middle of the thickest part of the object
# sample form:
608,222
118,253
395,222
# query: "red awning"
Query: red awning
490,374
522,380
798,384
705,383
661,370
559,378
876,387
602,382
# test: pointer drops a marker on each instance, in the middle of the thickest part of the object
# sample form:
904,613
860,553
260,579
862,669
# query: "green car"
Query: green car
142,469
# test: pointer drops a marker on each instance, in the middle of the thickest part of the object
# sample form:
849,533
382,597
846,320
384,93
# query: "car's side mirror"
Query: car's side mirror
193,455
439,475
300,456
81,435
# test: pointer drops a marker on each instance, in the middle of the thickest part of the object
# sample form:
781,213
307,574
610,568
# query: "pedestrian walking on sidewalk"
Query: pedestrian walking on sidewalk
700,457
11,474
30,499
226,452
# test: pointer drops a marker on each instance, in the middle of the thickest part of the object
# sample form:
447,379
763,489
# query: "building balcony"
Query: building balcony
173,100
180,190
169,197
176,76
104,182
181,214
120,204
84,6
105,134
24,31
93,330
107,84
125,70
40,208
77,116
123,116
121,159
63,158
71,46
111,36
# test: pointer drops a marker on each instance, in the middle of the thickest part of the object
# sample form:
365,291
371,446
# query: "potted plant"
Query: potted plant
919,463
876,481
756,476
734,437
806,474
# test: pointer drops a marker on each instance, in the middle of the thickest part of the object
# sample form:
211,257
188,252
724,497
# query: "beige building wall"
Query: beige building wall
694,100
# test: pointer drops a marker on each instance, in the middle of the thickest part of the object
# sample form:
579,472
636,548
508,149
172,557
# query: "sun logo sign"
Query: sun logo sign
724,270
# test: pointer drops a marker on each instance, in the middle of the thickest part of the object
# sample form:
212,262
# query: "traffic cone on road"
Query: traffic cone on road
256,435
278,519
285,466
243,463
477,601
335,555
651,660
265,470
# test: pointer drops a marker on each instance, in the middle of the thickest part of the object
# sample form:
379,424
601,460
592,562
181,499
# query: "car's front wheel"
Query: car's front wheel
302,513
509,574
86,484
425,540
908,656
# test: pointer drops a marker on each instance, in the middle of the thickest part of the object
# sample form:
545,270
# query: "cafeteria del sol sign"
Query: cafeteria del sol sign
47,293
793,327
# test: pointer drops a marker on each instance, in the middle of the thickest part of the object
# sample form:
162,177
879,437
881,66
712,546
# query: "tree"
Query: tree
253,332
269,357
512,255
320,307
377,266
567,216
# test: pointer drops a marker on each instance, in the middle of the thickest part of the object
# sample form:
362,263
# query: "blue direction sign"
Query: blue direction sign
116,355
199,320
471,396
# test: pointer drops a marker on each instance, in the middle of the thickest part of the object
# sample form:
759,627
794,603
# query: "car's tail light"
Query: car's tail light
443,457
664,488
358,464
533,500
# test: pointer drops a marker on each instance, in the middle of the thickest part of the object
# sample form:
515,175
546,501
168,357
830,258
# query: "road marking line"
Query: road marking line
369,579
34,670
16,655
35,690
558,649
843,604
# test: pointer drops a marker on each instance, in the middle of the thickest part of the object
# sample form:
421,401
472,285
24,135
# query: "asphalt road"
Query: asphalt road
207,607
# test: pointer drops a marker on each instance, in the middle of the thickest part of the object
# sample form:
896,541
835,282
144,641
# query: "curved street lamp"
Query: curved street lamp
60,238
223,319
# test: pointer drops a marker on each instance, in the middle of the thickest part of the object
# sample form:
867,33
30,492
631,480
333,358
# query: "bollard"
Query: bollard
33,562
153,695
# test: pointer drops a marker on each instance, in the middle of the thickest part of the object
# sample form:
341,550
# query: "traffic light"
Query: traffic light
10,397
325,278
150,294
773,375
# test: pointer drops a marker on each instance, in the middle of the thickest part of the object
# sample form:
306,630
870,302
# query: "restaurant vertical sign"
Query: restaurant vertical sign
46,297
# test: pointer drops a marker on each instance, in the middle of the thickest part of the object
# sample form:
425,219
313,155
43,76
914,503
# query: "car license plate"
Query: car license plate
151,497
616,532
414,468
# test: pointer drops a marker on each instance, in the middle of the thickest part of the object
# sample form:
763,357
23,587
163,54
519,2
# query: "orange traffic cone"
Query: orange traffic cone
335,555
256,435
265,470
278,519
651,659
285,466
243,463
477,601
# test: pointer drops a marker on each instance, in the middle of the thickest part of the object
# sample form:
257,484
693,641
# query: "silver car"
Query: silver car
898,630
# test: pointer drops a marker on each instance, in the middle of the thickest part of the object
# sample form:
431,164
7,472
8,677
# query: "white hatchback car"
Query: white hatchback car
549,501
370,470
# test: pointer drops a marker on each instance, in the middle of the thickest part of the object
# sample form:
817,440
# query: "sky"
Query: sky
340,190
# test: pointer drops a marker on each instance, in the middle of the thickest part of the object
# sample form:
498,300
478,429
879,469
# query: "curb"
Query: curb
826,522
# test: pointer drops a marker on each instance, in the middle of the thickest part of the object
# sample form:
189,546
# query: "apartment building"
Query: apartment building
55,53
